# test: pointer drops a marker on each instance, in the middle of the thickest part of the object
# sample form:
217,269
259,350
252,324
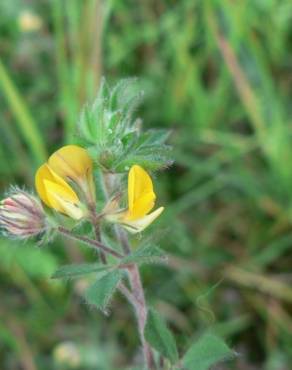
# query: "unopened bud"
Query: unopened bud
21,215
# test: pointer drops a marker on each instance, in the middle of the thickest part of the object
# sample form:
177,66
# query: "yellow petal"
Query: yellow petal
141,196
55,192
43,173
72,162
63,201
47,181
141,224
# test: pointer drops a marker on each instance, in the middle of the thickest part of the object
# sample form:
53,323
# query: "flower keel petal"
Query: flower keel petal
139,225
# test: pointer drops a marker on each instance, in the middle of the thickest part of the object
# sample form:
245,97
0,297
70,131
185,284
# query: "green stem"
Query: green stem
141,313
96,227
122,288
96,244
139,302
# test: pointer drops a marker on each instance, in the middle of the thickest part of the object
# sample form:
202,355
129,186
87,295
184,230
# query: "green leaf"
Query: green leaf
100,292
145,254
109,127
158,136
206,352
159,336
152,162
153,136
71,271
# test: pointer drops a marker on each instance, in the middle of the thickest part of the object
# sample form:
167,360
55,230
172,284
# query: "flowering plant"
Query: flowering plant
104,180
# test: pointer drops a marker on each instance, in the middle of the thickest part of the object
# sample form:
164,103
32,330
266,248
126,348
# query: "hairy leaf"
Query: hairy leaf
100,292
159,336
114,135
145,254
207,351
71,271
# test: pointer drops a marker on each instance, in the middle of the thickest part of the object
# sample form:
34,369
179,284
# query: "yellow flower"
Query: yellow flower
29,22
67,354
74,164
70,163
141,200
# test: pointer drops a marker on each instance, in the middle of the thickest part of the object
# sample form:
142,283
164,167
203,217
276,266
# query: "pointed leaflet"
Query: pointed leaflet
100,292
206,352
145,254
71,271
159,336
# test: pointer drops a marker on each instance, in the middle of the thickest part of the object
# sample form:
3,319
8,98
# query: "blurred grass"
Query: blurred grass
24,119
218,74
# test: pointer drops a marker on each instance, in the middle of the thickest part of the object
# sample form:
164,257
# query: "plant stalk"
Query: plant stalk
139,302
141,312
96,228
90,242
123,289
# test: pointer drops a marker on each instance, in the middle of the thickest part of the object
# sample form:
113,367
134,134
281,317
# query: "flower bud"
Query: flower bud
21,215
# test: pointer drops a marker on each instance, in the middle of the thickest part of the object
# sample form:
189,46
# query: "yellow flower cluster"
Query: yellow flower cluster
65,183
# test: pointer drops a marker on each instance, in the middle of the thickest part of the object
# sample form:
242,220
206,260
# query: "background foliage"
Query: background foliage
218,74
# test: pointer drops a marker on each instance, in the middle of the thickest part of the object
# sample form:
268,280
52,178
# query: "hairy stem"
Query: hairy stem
90,242
96,244
123,239
96,228
139,302
141,312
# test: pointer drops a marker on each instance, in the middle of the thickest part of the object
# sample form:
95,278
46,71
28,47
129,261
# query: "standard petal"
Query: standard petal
141,207
141,196
71,162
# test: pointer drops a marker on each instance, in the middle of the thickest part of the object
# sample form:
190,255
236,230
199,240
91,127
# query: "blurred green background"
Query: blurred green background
219,75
